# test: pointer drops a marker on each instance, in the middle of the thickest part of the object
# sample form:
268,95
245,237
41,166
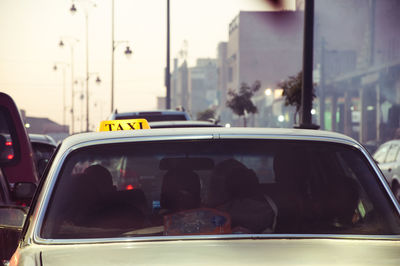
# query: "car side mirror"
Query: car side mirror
12,217
24,191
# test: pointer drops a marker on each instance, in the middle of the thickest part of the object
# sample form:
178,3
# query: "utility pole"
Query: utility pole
167,69
112,56
307,89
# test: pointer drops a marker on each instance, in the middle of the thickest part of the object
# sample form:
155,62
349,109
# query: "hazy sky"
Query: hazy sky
31,29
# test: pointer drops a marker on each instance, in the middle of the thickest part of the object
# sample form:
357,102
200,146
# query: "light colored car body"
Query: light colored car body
388,158
228,249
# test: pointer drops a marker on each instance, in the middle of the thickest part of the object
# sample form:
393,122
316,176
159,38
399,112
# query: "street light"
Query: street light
73,10
64,66
71,41
114,44
82,81
128,53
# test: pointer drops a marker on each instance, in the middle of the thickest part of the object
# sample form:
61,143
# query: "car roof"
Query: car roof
205,133
150,112
167,111
182,123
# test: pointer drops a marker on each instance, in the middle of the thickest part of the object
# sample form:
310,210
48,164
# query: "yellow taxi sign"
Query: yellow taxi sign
125,124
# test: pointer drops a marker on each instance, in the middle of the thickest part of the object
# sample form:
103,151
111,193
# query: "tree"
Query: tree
292,88
207,115
240,102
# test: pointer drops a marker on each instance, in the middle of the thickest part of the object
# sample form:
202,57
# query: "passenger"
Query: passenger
181,207
180,191
340,203
98,206
250,211
217,193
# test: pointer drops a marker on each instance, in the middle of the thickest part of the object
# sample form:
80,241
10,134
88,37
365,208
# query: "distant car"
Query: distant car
211,196
43,147
150,116
178,124
388,158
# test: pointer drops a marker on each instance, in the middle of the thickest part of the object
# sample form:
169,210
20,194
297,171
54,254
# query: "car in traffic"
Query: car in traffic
211,196
43,147
18,176
150,116
388,158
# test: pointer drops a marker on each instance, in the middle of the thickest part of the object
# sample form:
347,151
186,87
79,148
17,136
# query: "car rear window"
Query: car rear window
218,187
155,117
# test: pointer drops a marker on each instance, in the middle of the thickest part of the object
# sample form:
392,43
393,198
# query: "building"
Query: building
357,57
264,46
43,125
161,103
203,83
180,93
224,114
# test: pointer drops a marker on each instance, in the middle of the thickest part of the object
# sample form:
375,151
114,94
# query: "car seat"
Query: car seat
250,210
180,190
290,194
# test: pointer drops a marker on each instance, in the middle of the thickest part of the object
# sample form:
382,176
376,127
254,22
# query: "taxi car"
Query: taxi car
211,196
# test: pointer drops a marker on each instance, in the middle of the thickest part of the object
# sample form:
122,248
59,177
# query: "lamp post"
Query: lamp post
167,68
71,41
64,66
73,10
114,45
81,82
81,97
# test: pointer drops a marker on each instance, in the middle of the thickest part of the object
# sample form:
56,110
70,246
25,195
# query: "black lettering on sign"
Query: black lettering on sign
140,125
131,126
120,127
109,126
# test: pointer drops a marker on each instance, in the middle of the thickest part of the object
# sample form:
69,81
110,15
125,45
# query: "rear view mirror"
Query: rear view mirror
12,217
24,191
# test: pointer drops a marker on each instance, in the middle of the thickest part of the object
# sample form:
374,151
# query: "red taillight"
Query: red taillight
8,143
129,187
10,156
21,203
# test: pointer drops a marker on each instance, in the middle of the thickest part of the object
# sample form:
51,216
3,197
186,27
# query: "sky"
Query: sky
31,30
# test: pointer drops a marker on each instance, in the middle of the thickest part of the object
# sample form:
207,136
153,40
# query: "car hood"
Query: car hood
227,252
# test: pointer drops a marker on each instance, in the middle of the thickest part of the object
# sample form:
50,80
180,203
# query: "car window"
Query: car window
392,153
7,140
155,117
380,154
215,188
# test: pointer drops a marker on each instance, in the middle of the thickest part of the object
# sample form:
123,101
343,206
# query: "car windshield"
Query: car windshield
217,187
